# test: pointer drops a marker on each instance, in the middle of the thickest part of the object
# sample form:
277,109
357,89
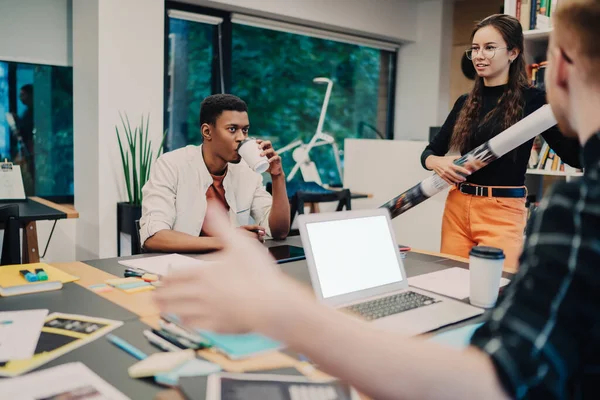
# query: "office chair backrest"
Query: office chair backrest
136,247
11,245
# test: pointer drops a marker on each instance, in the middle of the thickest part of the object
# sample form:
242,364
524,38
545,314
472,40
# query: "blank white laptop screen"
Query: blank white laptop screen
353,254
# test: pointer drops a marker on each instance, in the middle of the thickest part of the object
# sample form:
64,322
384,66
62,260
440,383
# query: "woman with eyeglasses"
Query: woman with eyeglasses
487,207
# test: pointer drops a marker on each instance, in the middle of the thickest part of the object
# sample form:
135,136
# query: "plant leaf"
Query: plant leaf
124,164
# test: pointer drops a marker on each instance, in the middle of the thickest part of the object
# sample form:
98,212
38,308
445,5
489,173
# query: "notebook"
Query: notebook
12,282
160,363
193,367
241,346
10,274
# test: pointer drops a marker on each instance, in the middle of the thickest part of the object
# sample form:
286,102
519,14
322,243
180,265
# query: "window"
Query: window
36,126
274,72
273,69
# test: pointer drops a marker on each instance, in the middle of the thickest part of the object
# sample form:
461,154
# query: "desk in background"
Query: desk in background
37,209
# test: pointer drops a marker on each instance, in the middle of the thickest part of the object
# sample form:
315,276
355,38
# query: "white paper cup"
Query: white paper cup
250,152
485,265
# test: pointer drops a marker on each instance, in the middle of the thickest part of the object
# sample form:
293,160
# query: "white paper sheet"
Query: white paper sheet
11,184
67,381
19,333
451,282
161,265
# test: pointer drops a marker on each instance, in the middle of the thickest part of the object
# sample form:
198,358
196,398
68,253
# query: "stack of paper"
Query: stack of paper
67,381
59,334
451,282
19,333
162,265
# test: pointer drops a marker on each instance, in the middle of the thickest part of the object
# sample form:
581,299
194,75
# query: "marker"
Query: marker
176,341
126,347
160,342
6,322
29,277
133,269
178,332
41,274
135,274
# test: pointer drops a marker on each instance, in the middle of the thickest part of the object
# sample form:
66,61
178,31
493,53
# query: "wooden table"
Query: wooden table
38,209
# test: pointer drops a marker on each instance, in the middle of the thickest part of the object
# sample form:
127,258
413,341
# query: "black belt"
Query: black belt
496,192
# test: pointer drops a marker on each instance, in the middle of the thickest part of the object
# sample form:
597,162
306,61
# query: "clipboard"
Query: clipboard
11,182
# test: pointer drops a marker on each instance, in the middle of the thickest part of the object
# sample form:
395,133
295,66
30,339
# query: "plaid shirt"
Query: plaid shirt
544,335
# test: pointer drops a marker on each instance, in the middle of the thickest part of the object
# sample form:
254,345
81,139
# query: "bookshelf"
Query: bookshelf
536,44
537,34
532,171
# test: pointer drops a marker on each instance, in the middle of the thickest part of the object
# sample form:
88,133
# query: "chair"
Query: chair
11,245
343,197
301,193
136,244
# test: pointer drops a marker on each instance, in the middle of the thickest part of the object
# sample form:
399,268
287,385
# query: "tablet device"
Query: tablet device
285,253
229,386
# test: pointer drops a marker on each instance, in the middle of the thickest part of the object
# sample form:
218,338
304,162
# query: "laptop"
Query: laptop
355,265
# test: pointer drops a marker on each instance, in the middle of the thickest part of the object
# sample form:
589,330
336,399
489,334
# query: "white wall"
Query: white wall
385,19
36,31
423,79
118,66
399,168
62,243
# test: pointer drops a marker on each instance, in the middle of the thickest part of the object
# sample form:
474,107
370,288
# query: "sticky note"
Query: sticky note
122,281
139,289
132,285
100,288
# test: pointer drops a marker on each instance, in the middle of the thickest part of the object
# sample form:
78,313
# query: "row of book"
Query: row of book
545,159
533,14
536,73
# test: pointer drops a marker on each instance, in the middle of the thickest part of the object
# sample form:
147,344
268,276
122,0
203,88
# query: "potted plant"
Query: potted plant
136,157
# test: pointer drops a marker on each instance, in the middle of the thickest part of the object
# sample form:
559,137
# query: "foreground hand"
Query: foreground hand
242,291
268,151
446,169
254,231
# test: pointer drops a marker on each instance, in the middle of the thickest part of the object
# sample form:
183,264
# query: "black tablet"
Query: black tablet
285,253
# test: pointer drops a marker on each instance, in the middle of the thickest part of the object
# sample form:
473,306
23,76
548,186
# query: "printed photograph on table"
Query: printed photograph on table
60,334
74,325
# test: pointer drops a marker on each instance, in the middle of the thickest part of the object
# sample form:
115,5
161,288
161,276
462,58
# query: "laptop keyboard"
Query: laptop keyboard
390,305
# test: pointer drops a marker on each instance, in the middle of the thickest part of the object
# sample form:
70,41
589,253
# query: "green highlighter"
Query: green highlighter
41,274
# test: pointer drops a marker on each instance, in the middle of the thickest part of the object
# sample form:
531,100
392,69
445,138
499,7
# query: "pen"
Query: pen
126,347
29,277
6,322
